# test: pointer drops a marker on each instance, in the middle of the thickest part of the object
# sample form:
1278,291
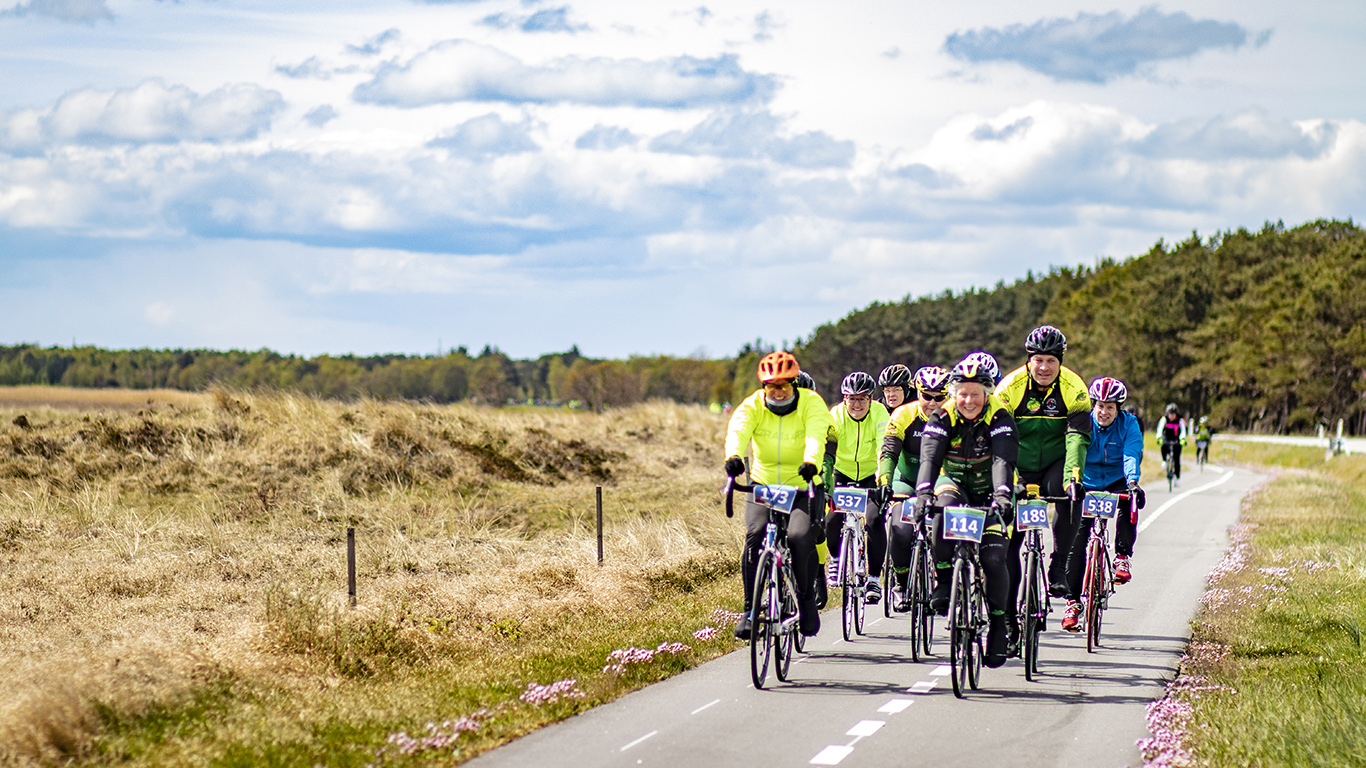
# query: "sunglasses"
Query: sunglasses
933,398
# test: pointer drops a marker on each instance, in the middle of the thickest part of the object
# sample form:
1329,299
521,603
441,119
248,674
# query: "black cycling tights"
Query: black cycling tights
992,553
876,526
800,539
1050,482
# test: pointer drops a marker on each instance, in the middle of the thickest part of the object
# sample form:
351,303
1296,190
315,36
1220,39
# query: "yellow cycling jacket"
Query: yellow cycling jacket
856,443
1053,424
780,443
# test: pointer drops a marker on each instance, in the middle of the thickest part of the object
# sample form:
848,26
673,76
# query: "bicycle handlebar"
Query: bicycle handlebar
733,485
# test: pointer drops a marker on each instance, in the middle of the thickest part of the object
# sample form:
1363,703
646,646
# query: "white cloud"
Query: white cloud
487,135
74,11
460,70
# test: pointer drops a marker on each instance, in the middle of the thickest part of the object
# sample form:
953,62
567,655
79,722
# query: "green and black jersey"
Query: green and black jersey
1053,423
978,454
899,459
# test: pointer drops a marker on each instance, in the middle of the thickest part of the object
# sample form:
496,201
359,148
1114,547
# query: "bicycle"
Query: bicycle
1098,580
1201,453
852,564
773,607
888,574
1170,460
918,588
967,596
1031,517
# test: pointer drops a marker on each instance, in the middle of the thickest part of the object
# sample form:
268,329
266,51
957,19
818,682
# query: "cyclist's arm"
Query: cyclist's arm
1005,451
1078,437
934,445
886,461
1133,452
828,466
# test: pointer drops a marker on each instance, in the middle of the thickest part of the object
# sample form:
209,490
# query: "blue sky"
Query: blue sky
632,178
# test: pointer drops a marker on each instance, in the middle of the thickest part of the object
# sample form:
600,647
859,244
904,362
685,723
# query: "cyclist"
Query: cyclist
851,458
900,462
987,361
1113,464
973,441
804,381
1204,433
1052,413
786,429
1171,431
895,382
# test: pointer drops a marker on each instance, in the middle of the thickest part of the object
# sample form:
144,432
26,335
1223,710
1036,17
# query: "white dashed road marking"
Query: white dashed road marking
704,706
895,705
637,741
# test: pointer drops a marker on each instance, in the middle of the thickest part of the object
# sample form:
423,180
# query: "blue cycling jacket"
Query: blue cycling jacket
1114,454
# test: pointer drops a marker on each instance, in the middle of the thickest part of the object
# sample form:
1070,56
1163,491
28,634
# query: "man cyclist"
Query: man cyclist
1171,432
973,441
899,464
895,383
1052,414
1113,464
786,430
851,459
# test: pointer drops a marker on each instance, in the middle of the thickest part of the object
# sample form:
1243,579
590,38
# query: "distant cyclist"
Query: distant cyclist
895,383
1113,464
1204,433
1052,414
851,459
1171,432
786,429
973,441
899,464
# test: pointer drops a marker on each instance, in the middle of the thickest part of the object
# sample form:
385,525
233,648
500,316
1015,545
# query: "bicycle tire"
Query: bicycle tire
1033,607
979,612
960,639
847,596
926,613
887,579
761,626
1096,599
915,589
860,586
784,638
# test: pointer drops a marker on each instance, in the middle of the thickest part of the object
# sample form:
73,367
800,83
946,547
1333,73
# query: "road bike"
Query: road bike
967,596
1201,453
888,574
773,605
1171,460
1098,580
852,564
1031,517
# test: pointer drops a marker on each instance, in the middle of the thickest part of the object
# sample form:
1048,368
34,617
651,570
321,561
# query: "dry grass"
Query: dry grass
71,398
176,575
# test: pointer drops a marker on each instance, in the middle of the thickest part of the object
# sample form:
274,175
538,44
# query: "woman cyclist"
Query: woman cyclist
973,441
895,382
851,460
1112,464
1171,432
786,429
899,464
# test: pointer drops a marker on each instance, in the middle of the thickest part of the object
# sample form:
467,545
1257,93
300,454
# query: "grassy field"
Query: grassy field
176,590
1275,674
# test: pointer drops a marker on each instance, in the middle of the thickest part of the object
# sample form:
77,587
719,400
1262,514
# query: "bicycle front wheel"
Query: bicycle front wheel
1034,602
918,594
960,629
979,621
765,619
860,564
849,595
887,579
784,638
1095,578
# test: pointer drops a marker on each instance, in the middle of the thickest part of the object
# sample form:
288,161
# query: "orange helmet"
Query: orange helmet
778,365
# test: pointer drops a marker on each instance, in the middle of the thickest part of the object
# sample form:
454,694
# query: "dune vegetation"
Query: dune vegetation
176,575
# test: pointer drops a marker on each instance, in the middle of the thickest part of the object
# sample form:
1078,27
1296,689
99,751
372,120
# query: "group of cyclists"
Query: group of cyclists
964,436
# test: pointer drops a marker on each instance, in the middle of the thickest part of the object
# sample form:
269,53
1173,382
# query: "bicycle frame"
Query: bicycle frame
1098,580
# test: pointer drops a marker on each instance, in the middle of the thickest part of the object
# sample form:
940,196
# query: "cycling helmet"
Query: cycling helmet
804,381
895,375
989,363
932,379
1204,419
778,365
1108,390
1046,340
1171,407
857,383
971,371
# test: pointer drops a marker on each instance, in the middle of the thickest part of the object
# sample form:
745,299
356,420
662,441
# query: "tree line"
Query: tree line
1262,331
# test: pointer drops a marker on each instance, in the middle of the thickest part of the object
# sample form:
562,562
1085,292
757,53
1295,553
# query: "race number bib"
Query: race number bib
851,500
1031,515
964,523
779,497
1103,505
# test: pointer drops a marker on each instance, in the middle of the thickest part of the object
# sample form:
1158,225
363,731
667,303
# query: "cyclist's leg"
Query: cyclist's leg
946,495
1126,531
993,554
876,526
1015,574
834,534
1064,525
1076,559
1176,460
802,542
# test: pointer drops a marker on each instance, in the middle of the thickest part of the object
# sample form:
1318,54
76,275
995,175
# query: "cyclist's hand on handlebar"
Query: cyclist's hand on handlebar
807,470
735,466
881,495
922,505
1136,496
1073,492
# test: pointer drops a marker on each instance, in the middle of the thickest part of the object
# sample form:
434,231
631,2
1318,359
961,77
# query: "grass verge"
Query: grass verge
1275,673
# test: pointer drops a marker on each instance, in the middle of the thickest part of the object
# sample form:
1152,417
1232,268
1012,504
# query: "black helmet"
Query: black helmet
971,371
1046,340
857,383
895,375
804,381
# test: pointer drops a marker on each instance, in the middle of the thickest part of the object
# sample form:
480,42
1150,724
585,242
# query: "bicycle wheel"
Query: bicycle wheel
860,564
764,622
1033,614
848,594
887,579
979,614
784,637
927,577
919,599
960,629
1096,579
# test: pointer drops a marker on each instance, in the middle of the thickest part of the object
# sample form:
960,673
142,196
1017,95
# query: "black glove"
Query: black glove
1003,508
922,505
735,466
1136,496
880,495
1073,492
808,470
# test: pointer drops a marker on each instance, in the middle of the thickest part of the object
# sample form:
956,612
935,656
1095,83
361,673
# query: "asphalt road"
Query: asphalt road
864,703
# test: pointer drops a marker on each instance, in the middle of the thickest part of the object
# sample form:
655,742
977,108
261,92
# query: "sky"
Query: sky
631,178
